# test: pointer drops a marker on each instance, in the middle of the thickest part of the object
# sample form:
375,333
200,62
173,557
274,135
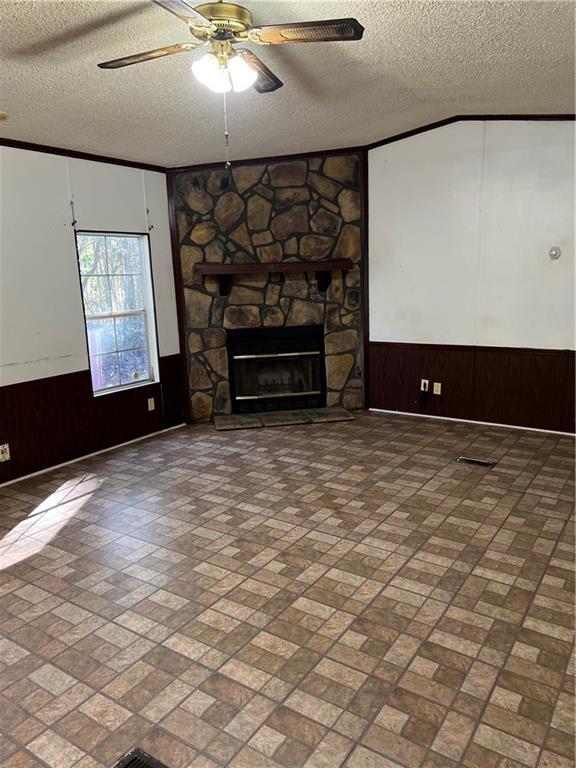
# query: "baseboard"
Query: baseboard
471,421
95,453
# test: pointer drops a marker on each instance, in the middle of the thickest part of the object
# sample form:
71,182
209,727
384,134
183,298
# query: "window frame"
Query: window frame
149,312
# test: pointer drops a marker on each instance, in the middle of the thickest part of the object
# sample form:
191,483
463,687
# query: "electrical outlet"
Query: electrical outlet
151,404
5,452
437,388
424,384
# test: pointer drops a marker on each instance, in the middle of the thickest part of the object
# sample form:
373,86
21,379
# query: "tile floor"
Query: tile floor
319,596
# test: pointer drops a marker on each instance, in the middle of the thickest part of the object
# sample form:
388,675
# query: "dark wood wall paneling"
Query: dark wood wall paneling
173,402
530,387
49,421
521,387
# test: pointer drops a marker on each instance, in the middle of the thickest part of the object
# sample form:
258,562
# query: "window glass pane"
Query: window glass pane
114,279
101,336
131,332
124,255
97,300
127,293
134,366
105,371
92,254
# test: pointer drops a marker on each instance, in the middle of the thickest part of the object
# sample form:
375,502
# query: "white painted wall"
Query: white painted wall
41,317
524,298
461,220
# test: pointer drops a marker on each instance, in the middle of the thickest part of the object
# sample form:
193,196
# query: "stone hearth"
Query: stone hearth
304,209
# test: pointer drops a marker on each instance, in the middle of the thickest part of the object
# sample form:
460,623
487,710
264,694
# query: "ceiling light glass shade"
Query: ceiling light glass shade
241,74
209,71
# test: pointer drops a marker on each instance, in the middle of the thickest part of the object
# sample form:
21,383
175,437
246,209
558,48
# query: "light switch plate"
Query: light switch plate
437,388
151,404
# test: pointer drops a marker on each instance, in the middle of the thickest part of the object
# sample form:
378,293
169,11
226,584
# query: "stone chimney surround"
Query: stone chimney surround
307,209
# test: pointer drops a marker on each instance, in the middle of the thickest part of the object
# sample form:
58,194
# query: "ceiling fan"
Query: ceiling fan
222,25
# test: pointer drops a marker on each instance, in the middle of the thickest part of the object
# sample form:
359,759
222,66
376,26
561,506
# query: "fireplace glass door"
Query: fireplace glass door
280,375
277,368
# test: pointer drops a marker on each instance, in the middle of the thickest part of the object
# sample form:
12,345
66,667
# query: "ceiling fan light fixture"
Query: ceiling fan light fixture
224,74
243,76
223,24
212,74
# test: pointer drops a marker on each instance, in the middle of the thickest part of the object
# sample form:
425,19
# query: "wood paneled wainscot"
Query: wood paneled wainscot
49,421
503,385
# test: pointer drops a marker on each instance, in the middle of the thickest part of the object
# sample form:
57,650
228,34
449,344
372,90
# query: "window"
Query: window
119,309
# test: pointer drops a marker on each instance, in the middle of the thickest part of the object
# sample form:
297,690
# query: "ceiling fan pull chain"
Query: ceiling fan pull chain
226,135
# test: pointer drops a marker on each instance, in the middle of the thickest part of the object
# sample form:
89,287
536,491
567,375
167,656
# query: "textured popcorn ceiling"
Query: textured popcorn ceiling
418,62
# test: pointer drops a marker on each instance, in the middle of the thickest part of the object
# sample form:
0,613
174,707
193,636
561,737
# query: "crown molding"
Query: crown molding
462,119
372,145
62,151
31,147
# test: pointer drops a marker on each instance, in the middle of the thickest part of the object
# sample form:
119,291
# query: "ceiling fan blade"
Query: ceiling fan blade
157,53
186,12
267,80
330,30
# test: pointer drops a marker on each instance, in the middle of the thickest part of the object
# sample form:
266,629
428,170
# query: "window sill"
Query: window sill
125,388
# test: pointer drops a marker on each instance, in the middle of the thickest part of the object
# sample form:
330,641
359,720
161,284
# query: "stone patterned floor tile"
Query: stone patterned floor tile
337,594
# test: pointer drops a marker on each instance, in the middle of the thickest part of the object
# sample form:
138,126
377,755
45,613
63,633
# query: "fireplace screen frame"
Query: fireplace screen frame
249,346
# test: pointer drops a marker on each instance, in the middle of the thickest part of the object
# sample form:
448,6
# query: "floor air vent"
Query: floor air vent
138,759
478,462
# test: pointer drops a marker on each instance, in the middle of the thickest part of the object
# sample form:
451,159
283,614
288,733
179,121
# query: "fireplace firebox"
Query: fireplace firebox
273,369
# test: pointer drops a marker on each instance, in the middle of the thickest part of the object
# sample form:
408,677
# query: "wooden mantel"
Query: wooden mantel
266,268
323,269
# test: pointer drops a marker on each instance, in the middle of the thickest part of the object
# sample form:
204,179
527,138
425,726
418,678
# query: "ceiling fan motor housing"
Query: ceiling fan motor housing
227,17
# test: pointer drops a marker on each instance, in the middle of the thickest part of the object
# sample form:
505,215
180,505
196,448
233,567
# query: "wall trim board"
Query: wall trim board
471,421
78,155
180,302
423,345
365,261
56,419
469,347
532,388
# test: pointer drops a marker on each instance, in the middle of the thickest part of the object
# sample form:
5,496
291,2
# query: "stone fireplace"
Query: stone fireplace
280,214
